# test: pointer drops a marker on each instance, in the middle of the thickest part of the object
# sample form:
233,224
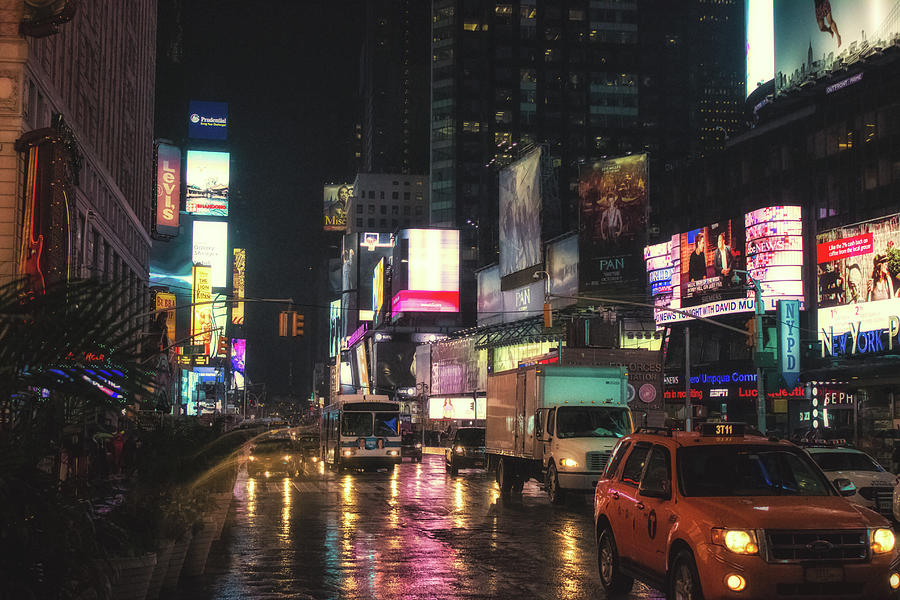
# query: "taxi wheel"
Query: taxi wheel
611,576
556,493
684,580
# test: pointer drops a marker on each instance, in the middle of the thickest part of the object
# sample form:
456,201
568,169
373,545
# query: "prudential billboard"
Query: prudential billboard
208,120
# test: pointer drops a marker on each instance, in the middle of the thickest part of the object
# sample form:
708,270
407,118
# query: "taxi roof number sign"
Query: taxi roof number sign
723,429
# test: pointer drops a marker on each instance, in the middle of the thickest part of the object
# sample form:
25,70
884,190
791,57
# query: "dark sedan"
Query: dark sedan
411,446
466,449
270,456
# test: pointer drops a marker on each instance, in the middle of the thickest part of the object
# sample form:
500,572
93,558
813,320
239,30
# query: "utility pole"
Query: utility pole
688,408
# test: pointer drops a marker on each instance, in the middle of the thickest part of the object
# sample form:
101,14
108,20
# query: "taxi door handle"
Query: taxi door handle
639,506
615,495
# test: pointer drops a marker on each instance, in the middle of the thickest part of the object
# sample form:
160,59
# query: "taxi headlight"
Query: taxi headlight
569,463
287,457
252,458
882,541
894,581
315,459
739,541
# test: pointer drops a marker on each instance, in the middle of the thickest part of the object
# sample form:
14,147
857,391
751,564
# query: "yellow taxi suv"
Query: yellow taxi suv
724,513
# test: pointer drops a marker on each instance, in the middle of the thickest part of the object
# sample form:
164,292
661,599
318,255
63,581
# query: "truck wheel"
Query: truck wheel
556,493
504,477
684,580
614,582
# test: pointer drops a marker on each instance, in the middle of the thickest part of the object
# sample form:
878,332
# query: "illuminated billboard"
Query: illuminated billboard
697,271
201,314
520,214
858,275
812,39
208,120
206,183
238,274
334,328
562,269
428,273
166,301
490,299
168,188
238,355
210,248
760,43
612,229
468,408
337,201
378,289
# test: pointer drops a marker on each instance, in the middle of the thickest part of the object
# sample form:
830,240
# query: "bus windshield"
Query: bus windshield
592,421
356,424
386,424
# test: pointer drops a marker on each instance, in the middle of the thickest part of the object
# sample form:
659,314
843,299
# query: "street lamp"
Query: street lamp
759,310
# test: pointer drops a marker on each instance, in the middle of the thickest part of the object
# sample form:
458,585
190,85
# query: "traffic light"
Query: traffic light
298,324
750,326
284,318
224,348
548,315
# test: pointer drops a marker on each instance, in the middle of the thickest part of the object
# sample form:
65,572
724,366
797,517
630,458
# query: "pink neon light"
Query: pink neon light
423,301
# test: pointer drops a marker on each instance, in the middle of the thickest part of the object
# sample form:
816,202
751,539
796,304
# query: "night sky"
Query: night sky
289,72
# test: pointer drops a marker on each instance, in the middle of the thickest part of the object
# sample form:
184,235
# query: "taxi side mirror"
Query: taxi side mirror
844,487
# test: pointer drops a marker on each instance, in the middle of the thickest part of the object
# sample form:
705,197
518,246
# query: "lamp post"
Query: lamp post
759,310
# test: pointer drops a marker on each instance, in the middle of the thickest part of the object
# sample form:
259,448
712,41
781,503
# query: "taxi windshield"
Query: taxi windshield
733,470
592,421
845,461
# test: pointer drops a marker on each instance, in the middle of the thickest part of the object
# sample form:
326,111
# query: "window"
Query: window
359,222
619,453
387,424
395,210
395,195
382,223
356,424
371,222
406,195
371,209
634,466
381,194
405,211
383,208
359,209
551,423
419,211
658,477
371,194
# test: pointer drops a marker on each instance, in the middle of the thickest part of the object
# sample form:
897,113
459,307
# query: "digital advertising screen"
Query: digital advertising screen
813,38
238,278
858,274
760,43
520,214
697,271
337,202
613,209
371,248
166,301
490,299
206,183
210,247
562,266
201,315
394,368
238,354
378,286
207,120
168,189
467,409
429,277
334,328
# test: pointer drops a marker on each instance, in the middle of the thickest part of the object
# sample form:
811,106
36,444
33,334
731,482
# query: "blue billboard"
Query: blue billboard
208,120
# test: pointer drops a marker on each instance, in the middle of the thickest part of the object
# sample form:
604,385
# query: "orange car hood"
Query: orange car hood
784,512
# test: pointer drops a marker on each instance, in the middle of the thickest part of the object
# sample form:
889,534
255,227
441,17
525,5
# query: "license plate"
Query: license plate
824,574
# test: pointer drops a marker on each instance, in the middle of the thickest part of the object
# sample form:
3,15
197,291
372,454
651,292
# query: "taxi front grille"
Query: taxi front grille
596,461
816,545
820,590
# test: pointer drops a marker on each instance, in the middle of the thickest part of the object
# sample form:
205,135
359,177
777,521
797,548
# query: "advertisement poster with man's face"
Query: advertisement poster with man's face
711,254
858,270
612,222
520,214
813,37
337,201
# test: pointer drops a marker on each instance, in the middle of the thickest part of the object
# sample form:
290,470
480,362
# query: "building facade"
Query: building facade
92,85
386,202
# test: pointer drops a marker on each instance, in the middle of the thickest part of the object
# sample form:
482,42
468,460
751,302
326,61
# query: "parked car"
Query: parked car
874,484
411,446
466,450
273,455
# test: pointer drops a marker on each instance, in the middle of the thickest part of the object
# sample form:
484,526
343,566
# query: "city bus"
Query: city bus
361,430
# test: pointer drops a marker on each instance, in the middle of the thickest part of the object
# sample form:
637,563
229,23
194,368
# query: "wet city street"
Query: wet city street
410,532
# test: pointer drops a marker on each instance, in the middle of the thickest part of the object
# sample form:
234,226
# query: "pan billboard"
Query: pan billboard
698,271
858,281
206,182
337,201
520,214
815,38
490,298
612,196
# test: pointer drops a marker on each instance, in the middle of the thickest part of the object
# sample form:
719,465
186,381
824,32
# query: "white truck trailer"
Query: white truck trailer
556,424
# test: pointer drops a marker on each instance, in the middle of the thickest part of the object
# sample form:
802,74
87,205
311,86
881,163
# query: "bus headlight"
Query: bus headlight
348,452
392,453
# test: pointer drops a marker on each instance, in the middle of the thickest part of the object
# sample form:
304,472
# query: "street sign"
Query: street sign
787,314
192,349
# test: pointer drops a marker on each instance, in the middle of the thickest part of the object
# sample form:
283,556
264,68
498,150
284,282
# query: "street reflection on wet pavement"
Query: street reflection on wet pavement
412,531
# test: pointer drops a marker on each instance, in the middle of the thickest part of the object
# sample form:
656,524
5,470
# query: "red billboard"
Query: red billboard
168,189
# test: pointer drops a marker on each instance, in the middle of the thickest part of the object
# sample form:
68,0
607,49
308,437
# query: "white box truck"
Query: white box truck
557,424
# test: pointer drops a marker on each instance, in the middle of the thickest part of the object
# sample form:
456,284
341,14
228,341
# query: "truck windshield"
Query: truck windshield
735,470
592,421
356,424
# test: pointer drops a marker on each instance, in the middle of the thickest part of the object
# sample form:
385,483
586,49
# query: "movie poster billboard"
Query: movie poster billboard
238,274
337,202
699,271
490,299
201,314
168,189
238,355
206,183
613,209
858,268
207,120
210,247
562,266
814,38
520,214
393,363
166,301
334,328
